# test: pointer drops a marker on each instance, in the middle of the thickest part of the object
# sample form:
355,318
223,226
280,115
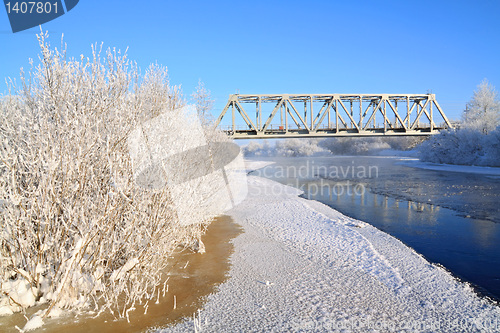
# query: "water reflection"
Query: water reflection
389,207
451,218
484,232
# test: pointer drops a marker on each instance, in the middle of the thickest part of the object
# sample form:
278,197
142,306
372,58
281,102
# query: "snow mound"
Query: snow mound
33,323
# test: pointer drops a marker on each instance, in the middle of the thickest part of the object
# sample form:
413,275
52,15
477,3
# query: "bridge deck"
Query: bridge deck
300,133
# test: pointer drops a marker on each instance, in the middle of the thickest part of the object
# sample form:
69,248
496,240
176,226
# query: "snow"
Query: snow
5,310
33,323
20,292
251,165
120,272
416,163
302,266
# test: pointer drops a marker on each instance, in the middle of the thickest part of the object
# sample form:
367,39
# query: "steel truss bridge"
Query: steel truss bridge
341,115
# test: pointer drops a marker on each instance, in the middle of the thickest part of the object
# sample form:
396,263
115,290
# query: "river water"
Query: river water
451,218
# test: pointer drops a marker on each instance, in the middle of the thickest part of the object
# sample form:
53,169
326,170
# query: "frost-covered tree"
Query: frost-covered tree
483,110
203,101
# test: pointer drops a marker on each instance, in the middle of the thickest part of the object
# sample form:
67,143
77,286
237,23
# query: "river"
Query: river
451,218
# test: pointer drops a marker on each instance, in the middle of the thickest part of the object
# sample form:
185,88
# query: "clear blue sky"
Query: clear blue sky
288,46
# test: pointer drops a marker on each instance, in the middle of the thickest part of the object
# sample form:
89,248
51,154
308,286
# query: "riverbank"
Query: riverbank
480,170
300,265
410,158
191,277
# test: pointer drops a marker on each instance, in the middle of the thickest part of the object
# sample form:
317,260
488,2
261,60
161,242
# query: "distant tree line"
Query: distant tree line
475,140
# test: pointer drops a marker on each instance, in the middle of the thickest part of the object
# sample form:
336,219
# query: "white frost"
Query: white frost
20,291
480,170
33,323
120,272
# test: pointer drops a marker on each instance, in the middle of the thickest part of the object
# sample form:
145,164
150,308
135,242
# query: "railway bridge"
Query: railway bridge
331,115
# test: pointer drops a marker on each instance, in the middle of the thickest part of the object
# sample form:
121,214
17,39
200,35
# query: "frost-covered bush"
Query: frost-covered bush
287,147
477,141
298,147
256,148
453,147
463,147
404,143
76,230
354,146
491,148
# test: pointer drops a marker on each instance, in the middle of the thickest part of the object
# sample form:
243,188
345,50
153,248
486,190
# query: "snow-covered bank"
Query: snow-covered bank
251,165
416,163
302,266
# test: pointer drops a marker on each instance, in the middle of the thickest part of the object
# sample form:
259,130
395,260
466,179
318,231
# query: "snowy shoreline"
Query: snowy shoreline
410,159
302,266
482,170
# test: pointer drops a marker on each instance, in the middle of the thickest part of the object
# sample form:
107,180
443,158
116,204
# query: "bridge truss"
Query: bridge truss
286,115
